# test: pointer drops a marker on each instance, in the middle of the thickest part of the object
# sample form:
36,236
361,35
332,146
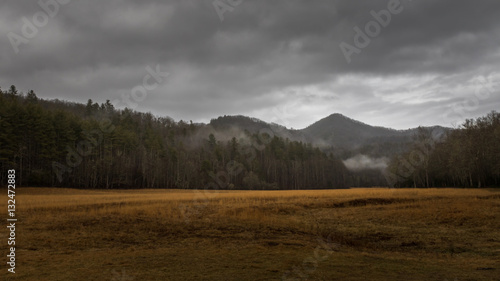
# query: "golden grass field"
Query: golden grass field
356,234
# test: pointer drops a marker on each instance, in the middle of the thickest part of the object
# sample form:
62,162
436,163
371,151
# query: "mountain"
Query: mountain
254,125
336,133
340,131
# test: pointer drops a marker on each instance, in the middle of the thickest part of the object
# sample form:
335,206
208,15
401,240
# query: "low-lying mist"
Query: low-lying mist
363,162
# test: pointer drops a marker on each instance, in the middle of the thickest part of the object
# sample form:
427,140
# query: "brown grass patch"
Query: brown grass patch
380,234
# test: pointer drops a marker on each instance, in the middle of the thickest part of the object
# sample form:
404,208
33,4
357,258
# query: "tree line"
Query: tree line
465,157
59,143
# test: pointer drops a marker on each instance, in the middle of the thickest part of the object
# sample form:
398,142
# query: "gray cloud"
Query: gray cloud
279,61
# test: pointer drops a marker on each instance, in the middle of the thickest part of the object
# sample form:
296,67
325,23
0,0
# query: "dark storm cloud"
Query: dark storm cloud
276,60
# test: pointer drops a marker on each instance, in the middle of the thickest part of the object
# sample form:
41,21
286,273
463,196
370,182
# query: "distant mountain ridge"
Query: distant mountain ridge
337,132
255,125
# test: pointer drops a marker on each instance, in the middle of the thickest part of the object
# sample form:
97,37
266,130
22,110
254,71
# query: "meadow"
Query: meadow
355,234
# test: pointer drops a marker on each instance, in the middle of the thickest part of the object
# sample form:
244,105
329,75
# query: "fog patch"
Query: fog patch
363,162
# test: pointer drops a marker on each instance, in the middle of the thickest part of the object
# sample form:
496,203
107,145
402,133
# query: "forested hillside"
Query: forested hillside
58,143
350,137
466,157
344,132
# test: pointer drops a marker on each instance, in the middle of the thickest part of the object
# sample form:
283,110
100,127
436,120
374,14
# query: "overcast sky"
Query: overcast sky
433,63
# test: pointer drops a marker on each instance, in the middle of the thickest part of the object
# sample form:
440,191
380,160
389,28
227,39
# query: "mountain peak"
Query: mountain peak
337,115
342,131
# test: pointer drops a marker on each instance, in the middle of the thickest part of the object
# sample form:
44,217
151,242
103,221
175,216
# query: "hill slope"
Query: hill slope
337,133
340,131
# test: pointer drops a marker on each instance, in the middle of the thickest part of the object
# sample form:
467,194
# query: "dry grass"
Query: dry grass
375,234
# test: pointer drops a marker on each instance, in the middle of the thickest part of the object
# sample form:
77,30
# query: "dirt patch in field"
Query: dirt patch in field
371,201
496,196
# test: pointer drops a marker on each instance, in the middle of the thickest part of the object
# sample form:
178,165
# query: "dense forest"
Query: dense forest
58,143
466,157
